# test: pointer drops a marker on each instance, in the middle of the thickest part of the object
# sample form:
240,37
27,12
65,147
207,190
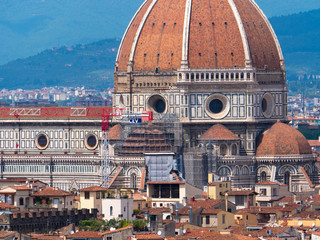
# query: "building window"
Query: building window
239,200
263,191
97,195
274,192
223,219
86,195
111,211
21,201
207,219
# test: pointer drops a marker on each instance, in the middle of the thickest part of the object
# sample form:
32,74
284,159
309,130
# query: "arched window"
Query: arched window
286,179
237,171
224,171
263,177
245,170
133,180
111,210
223,149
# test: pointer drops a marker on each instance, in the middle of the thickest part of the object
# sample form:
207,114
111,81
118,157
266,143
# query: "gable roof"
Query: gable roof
85,234
218,132
267,183
50,191
93,189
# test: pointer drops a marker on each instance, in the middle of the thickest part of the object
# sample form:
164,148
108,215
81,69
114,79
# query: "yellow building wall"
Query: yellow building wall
246,218
219,187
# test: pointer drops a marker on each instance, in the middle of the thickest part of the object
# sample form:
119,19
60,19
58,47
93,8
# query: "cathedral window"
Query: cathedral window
133,180
223,149
234,149
263,176
245,170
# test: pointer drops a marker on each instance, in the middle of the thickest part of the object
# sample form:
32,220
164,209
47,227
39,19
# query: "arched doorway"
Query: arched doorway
287,178
263,176
133,180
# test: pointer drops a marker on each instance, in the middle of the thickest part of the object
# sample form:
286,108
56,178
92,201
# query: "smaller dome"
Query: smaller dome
282,139
218,132
115,132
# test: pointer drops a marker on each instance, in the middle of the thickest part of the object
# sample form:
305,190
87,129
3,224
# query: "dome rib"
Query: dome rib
186,30
248,61
138,33
126,42
127,29
275,38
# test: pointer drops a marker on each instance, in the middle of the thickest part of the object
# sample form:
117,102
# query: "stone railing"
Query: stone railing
216,75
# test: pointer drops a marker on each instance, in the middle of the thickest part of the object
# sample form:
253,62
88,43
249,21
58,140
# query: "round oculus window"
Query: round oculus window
91,141
157,103
217,106
267,105
42,141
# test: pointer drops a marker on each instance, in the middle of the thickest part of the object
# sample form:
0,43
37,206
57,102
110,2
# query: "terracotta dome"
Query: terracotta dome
199,34
282,139
218,132
115,133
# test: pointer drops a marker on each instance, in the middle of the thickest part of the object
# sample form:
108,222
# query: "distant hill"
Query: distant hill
28,27
90,65
299,36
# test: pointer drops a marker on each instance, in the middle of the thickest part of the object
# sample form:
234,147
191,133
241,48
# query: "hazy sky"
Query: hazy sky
30,26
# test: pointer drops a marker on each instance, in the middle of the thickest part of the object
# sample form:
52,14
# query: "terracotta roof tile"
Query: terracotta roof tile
197,204
85,234
115,133
143,178
93,189
50,191
305,174
267,183
314,143
241,192
209,211
6,205
282,139
148,236
265,210
20,188
138,197
155,211
117,230
115,176
218,132
5,234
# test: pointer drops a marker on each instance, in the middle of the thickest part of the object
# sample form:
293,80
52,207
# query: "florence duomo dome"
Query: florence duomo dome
210,62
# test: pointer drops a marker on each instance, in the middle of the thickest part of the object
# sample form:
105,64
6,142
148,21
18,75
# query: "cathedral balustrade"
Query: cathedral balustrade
128,160
216,75
286,158
235,159
65,159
